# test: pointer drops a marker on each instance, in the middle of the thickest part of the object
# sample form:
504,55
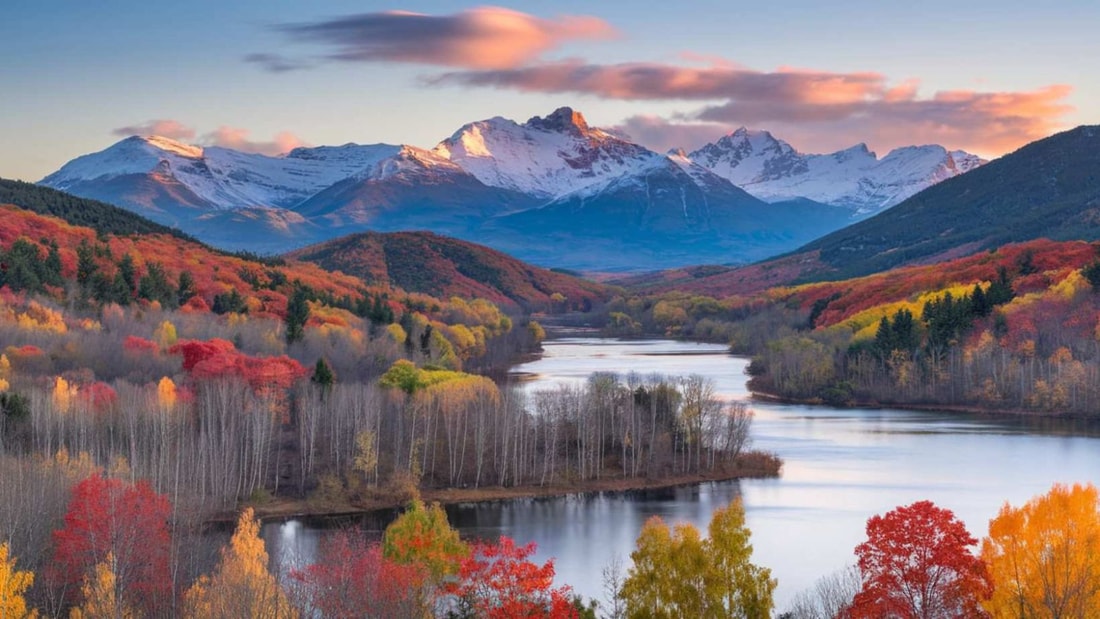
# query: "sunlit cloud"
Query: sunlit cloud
277,63
825,107
478,38
237,139
642,80
163,127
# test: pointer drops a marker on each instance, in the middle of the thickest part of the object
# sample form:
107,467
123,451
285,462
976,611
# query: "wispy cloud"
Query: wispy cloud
163,127
225,136
478,38
822,105
277,63
237,139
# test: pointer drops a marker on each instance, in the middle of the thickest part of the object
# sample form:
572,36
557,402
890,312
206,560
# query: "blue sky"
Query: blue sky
983,76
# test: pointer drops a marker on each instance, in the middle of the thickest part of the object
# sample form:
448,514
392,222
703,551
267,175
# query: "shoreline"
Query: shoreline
1018,413
751,465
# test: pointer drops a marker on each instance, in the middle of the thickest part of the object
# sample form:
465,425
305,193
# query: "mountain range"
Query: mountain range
1048,189
552,190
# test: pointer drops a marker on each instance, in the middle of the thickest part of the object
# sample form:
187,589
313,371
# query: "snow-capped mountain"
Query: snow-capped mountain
546,157
218,178
530,188
773,170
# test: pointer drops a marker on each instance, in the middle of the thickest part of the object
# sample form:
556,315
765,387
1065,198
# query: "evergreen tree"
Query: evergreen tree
322,374
979,304
1000,291
186,287
297,313
128,273
155,287
85,263
51,275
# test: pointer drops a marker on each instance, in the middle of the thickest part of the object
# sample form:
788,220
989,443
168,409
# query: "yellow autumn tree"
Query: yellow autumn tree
101,595
677,573
241,585
63,395
1044,557
422,536
165,335
5,366
166,393
13,583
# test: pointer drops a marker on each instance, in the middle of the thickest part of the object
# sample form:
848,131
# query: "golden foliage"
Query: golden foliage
241,585
13,583
166,393
63,395
396,333
1044,557
422,536
38,317
101,594
5,366
676,573
165,335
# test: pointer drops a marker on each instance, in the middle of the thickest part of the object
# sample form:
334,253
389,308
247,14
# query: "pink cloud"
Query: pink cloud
237,139
825,107
642,80
478,38
163,127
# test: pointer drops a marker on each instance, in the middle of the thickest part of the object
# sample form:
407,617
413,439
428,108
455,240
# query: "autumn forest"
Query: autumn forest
161,398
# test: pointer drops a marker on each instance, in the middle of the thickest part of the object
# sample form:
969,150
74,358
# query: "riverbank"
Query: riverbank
930,408
750,465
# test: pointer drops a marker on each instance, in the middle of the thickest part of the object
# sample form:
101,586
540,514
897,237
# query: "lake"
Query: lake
840,468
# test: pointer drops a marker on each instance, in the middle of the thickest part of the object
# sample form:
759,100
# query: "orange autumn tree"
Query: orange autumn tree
499,581
1044,557
916,564
13,583
241,586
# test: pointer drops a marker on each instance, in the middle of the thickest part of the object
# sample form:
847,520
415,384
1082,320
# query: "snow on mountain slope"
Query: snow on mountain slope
773,170
222,177
545,157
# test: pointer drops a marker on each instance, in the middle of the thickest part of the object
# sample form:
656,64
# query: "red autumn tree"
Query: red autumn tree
499,581
197,351
353,579
130,522
916,563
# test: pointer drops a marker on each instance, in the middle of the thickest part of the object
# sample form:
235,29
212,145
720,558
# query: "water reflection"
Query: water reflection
841,466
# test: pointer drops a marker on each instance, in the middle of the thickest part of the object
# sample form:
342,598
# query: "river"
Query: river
840,467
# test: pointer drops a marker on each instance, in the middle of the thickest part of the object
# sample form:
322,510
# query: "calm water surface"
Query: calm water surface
840,467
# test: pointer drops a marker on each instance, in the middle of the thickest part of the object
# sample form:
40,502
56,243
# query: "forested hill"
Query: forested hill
99,216
444,267
1047,189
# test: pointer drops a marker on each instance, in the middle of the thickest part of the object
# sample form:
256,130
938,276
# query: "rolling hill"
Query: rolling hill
445,267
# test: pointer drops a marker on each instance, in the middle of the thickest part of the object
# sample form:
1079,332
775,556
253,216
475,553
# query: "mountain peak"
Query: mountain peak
173,146
563,119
